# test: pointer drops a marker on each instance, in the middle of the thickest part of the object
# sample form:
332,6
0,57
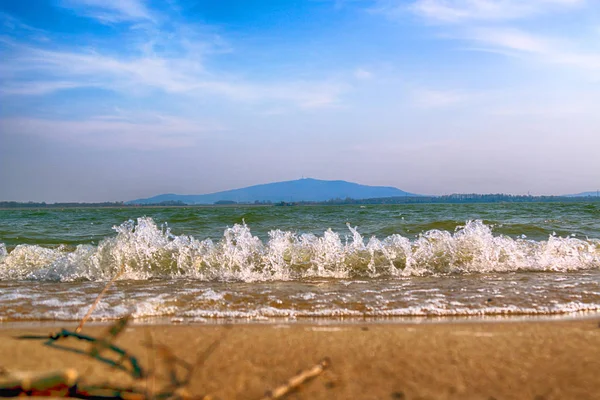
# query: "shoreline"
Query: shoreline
548,359
316,321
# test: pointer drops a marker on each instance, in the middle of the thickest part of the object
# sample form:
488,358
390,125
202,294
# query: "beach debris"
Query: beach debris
56,384
120,359
103,344
68,382
98,298
297,380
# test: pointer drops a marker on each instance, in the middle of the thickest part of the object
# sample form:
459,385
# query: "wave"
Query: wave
147,251
266,313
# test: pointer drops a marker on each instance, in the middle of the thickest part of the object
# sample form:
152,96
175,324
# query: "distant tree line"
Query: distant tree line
465,198
32,204
446,199
231,202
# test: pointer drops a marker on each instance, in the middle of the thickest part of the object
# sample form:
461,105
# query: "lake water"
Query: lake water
318,263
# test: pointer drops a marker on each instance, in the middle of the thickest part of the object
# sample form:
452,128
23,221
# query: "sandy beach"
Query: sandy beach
470,360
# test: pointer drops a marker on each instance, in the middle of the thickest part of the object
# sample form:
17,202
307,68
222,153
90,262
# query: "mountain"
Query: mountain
584,194
306,189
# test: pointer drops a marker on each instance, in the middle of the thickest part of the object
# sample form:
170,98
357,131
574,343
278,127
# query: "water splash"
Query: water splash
149,251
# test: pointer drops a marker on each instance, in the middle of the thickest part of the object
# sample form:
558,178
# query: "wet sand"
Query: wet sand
470,360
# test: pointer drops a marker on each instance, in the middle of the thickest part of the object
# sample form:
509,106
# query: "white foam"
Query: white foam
147,251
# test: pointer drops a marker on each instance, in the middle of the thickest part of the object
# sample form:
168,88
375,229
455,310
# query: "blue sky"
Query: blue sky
119,99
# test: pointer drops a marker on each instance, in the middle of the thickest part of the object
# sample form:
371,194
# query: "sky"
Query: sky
113,100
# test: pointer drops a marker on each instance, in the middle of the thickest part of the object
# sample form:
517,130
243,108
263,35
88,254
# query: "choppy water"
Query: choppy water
325,262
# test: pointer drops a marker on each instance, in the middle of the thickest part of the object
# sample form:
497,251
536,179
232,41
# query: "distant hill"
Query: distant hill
584,194
307,189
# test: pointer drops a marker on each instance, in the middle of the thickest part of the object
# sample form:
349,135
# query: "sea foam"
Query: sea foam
146,250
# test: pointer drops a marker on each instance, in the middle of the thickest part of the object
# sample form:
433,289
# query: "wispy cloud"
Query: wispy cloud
362,74
11,23
14,26
510,39
456,11
176,75
542,48
428,98
115,131
111,11
505,27
168,58
35,88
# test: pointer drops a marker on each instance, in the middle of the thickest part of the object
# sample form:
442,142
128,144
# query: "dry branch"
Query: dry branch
296,381
95,303
46,384
66,383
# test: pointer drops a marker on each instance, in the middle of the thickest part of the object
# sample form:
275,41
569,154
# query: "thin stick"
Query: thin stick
202,357
171,362
98,345
297,380
38,384
150,378
95,303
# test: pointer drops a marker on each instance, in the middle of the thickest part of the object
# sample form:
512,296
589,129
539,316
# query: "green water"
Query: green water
341,263
537,221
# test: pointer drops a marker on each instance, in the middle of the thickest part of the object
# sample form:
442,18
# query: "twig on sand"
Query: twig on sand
125,361
95,303
47,384
297,380
105,341
171,362
178,384
150,379
67,382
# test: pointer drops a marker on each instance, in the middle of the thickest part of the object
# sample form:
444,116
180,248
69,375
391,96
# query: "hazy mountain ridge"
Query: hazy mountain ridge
595,193
306,189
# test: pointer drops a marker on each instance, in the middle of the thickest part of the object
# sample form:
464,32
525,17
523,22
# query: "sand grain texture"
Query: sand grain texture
500,360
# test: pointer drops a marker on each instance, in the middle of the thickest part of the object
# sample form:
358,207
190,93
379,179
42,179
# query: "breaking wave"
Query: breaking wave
148,251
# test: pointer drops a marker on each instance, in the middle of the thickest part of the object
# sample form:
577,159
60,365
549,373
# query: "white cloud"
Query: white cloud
110,11
455,11
538,47
503,27
169,57
117,131
511,39
427,98
363,74
33,88
11,23
175,75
